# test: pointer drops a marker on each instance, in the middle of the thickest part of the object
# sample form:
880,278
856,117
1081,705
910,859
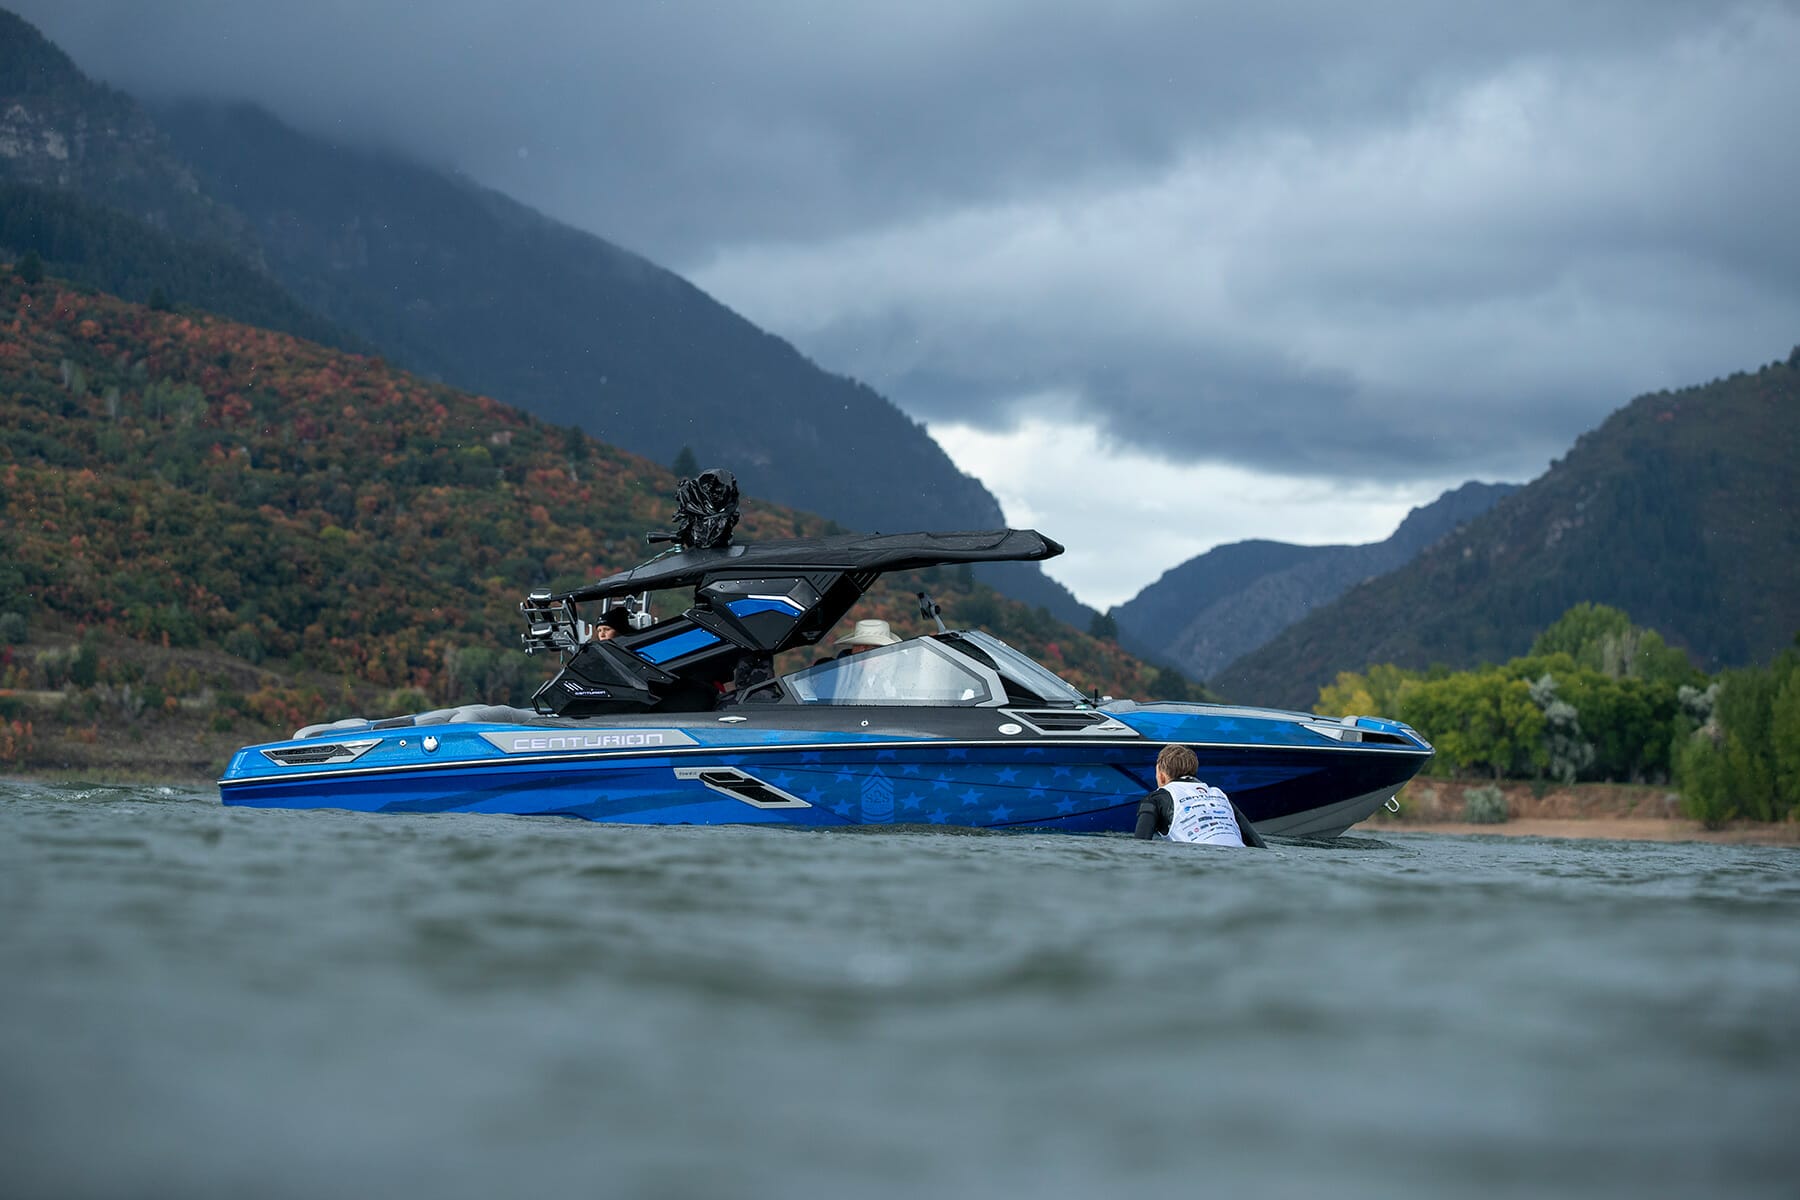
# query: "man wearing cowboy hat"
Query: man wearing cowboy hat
867,635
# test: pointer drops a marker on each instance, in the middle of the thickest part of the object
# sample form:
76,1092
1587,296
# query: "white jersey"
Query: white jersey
1202,814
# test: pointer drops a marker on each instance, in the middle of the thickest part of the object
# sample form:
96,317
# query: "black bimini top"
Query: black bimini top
851,553
750,603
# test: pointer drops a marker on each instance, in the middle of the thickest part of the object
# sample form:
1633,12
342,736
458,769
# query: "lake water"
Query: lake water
198,1001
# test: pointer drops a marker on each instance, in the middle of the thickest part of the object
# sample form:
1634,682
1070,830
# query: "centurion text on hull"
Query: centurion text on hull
948,728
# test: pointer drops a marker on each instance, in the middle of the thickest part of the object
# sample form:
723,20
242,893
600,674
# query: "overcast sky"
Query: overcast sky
1161,274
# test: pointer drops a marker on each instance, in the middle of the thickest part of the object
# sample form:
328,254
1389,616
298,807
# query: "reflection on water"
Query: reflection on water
199,1001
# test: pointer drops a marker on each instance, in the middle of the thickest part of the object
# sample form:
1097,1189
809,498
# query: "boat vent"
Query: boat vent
1068,720
740,785
313,756
1343,732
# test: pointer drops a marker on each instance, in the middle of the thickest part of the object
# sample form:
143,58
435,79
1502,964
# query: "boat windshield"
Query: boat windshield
1023,671
913,672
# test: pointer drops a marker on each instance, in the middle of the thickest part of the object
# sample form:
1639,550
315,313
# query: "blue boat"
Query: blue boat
690,720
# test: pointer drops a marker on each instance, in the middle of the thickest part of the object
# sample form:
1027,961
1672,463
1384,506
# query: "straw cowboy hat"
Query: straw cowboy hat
868,633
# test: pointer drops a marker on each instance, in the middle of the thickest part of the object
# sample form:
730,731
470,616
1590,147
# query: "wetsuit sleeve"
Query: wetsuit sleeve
1155,811
1246,830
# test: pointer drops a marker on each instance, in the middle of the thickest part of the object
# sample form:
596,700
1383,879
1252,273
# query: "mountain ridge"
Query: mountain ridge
1679,509
1218,606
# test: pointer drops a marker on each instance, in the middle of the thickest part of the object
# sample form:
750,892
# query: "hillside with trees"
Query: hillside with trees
1219,606
462,284
206,522
110,251
1679,509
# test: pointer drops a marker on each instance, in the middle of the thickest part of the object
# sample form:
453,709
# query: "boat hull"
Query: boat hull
807,779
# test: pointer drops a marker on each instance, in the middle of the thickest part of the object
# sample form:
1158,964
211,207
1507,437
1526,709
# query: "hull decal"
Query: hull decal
544,741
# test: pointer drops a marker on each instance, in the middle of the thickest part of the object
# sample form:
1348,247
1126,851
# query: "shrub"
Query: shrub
402,701
1484,806
15,741
243,643
1704,775
13,630
84,669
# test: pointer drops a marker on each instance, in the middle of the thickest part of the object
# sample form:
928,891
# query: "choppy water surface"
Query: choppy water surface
198,1001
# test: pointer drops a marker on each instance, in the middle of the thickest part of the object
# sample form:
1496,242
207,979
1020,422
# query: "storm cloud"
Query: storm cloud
1346,246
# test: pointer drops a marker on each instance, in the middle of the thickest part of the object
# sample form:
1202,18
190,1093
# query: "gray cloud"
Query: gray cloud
1352,240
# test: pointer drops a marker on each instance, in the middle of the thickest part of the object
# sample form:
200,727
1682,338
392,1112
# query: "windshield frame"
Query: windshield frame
1029,674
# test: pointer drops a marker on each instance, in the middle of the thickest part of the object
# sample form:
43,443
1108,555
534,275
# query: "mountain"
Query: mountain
183,482
114,252
1212,609
59,129
462,284
1682,509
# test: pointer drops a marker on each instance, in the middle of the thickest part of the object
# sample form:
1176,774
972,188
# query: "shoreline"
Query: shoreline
1624,829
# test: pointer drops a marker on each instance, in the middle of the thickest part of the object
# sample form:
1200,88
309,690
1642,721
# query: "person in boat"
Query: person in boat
868,634
750,673
611,624
1190,811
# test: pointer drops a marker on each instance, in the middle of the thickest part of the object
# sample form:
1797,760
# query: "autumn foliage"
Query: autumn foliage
184,481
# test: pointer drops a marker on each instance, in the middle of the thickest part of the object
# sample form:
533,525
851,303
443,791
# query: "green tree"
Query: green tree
84,671
1700,771
1568,751
31,268
1784,742
685,466
1104,626
1373,694
1479,722
1600,638
1170,684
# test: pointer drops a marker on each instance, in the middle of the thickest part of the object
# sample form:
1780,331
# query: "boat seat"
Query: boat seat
497,714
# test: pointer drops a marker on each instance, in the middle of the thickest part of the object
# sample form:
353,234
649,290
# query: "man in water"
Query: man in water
1188,810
